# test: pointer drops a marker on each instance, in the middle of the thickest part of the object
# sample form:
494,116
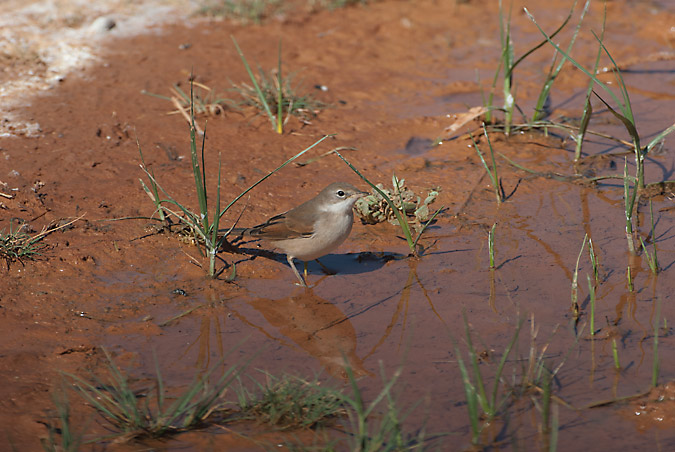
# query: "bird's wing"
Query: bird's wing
281,227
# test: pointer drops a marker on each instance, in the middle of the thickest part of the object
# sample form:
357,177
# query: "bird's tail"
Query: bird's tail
234,234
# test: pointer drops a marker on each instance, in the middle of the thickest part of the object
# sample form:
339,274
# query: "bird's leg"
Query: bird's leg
326,270
295,270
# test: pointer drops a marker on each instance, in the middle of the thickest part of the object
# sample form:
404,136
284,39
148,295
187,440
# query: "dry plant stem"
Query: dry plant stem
184,113
17,245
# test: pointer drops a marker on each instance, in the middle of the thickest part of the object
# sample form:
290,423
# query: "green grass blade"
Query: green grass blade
502,361
588,108
626,121
553,73
478,377
424,226
615,355
200,184
659,137
573,61
261,96
591,293
575,280
542,43
280,96
471,396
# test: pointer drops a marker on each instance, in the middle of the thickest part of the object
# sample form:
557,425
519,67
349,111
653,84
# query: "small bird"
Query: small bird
314,228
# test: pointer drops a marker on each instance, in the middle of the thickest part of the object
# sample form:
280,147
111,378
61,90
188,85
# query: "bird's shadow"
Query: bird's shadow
341,264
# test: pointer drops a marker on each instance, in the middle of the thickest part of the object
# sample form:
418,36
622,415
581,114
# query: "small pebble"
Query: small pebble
102,24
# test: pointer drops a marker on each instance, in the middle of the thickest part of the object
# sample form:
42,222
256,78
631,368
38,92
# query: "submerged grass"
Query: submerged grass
591,294
491,245
615,355
623,111
286,403
652,259
373,429
131,417
61,436
289,402
532,382
623,104
508,63
540,107
482,407
656,364
575,281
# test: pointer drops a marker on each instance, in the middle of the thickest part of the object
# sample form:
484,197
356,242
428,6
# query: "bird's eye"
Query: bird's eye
341,193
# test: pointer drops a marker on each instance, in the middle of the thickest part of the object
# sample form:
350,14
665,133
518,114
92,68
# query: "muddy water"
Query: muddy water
139,295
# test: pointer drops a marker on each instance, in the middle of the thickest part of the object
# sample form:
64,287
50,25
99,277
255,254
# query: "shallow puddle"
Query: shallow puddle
396,71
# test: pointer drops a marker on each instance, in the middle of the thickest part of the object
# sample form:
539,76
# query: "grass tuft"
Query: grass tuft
378,425
271,92
18,245
131,416
290,403
482,407
61,437
245,11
